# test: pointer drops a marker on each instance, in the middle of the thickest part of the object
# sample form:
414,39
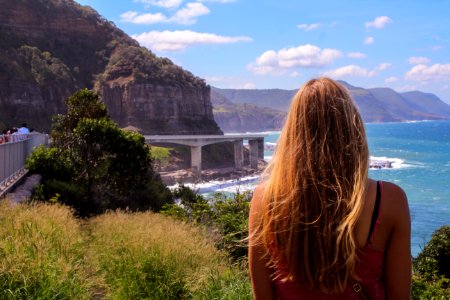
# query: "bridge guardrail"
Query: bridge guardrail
14,149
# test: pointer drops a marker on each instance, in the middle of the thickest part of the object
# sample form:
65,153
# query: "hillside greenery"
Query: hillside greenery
93,165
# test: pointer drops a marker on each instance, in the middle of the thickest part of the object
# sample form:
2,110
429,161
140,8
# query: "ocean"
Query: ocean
420,156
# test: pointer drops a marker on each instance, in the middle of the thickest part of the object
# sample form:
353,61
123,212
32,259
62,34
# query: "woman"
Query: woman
319,228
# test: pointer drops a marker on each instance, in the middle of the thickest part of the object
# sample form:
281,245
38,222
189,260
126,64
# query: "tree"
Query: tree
108,167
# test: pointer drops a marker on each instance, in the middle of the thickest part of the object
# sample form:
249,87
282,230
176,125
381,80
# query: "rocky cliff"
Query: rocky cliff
51,48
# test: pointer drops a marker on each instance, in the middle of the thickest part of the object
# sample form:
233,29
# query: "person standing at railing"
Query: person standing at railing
24,129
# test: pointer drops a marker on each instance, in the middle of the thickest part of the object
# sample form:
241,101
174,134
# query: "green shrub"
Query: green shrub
225,215
50,162
424,289
94,165
431,278
434,260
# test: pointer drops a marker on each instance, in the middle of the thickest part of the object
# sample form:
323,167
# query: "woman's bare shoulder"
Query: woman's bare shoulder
393,193
257,197
394,201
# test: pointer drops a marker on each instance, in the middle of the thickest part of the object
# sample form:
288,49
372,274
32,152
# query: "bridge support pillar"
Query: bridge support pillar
260,148
196,159
253,145
256,151
238,155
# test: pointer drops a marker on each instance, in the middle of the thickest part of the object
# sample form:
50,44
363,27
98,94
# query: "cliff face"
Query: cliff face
160,108
51,48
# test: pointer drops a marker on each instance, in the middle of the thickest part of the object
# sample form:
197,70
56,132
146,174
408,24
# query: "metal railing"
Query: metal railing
14,150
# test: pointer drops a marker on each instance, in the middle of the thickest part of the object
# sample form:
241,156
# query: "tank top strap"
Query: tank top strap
376,214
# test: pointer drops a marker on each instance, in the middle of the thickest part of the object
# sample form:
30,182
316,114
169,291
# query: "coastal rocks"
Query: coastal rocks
219,174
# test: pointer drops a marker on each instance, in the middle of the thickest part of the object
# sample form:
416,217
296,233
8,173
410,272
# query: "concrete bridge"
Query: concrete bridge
196,142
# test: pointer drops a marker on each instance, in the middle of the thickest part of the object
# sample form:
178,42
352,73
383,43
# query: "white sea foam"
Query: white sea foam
229,186
396,163
268,158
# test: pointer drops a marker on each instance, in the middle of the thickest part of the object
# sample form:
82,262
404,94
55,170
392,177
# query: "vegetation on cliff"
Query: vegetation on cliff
93,165
142,66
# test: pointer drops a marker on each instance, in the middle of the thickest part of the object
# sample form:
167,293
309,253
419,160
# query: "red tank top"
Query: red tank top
369,270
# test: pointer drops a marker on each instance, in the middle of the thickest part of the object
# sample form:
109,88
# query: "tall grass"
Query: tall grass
41,254
147,255
46,253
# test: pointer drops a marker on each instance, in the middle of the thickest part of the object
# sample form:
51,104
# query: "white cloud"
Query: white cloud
220,1
232,82
369,40
356,55
391,79
147,19
294,74
379,22
249,86
425,73
383,66
309,27
188,14
407,88
161,3
179,40
416,60
184,16
304,56
350,71
437,48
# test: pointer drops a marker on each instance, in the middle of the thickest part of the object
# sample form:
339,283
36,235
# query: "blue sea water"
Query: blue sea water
420,152
424,170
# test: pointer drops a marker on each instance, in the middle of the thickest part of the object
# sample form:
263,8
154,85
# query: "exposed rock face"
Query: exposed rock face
51,48
160,108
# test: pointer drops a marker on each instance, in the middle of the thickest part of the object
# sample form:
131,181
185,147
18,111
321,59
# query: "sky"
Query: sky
249,44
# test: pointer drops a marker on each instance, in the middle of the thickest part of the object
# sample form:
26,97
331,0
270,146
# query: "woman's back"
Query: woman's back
384,266
310,218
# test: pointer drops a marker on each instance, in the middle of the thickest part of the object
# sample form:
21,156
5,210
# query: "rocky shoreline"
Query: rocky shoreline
220,174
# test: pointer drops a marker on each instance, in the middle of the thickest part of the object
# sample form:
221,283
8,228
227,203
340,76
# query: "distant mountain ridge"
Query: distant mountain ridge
375,105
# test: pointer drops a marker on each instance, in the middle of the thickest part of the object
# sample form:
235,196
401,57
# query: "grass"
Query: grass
46,253
41,254
160,154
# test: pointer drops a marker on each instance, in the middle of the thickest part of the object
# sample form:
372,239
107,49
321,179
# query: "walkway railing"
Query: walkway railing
14,149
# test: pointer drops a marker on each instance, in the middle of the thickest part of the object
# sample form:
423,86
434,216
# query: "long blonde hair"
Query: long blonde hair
314,189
